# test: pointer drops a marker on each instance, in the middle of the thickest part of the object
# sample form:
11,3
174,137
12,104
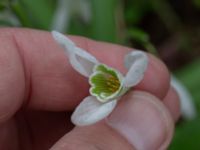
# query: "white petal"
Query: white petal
188,110
90,110
81,61
136,62
63,41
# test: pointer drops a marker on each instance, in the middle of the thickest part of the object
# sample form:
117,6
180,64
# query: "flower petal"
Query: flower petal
63,41
188,109
136,62
90,110
81,61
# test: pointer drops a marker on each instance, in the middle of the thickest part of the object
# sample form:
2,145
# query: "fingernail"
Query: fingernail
143,120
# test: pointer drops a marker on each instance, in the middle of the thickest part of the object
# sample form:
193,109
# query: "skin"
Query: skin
39,90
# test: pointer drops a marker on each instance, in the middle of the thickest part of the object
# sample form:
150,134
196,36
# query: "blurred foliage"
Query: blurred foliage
103,20
197,3
188,133
170,26
142,38
187,136
34,14
189,75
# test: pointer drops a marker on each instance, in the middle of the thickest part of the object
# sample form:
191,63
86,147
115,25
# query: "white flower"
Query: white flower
107,84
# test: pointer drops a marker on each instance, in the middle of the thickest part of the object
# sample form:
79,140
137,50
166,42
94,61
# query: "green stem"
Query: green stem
103,20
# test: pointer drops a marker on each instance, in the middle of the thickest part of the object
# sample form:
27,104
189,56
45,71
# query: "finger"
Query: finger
12,79
139,122
172,102
9,132
52,84
41,129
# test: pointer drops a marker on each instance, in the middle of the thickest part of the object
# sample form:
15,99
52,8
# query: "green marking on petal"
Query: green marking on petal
105,83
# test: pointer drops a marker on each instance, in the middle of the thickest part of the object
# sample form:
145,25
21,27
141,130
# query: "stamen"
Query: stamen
113,83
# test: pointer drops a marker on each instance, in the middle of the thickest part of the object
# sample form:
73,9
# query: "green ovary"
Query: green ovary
104,83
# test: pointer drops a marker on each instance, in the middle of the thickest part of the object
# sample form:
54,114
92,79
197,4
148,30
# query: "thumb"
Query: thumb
140,122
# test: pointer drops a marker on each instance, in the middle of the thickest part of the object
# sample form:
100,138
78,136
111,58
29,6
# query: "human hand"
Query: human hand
39,89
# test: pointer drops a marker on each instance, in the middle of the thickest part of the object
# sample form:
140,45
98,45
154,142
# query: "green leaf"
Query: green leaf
143,39
36,14
103,20
78,27
5,23
4,4
135,10
138,35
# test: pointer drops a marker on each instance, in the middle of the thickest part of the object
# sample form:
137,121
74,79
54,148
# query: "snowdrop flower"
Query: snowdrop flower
107,84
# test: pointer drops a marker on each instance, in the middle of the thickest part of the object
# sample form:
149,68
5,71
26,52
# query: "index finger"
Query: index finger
43,79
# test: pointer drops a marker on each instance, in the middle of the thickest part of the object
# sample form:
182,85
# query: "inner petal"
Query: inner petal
104,83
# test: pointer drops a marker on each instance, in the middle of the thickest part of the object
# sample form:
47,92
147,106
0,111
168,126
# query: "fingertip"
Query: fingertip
143,120
140,121
172,102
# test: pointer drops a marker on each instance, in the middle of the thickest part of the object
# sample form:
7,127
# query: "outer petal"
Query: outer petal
80,60
90,110
188,109
63,41
136,62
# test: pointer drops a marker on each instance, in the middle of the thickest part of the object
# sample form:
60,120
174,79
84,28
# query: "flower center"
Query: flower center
113,83
105,83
